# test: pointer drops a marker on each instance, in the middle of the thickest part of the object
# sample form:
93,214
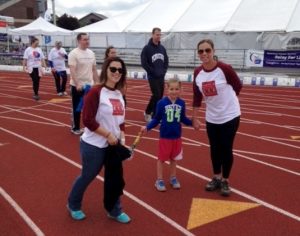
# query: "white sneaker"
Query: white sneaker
148,117
60,94
65,93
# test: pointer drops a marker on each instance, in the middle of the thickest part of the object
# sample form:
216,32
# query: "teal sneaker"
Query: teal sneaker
122,218
76,215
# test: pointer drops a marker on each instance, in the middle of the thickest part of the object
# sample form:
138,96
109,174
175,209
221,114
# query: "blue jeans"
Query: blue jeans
92,159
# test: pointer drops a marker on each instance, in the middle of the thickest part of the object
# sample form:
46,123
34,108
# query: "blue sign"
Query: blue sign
282,59
47,39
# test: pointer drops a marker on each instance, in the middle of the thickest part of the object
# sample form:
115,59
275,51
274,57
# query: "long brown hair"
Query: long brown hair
103,75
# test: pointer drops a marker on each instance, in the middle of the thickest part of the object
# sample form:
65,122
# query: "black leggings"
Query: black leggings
60,78
157,90
35,80
221,137
76,97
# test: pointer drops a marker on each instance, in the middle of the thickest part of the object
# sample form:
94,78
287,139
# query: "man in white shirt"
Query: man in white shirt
56,60
82,63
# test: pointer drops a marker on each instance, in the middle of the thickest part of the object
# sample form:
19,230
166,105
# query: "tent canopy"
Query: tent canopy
40,27
205,16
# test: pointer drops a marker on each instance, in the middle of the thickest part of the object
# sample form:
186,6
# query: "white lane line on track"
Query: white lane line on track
21,212
129,195
236,154
31,121
243,194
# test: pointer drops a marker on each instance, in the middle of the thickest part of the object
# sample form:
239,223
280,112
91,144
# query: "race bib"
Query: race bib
118,109
209,88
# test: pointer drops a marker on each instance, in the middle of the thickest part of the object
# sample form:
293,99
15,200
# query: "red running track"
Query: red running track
39,160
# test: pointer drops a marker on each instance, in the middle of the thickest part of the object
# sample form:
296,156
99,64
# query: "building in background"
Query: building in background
91,18
23,11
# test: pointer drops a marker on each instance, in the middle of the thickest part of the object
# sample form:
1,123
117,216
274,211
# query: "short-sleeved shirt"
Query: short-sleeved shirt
57,56
83,61
34,57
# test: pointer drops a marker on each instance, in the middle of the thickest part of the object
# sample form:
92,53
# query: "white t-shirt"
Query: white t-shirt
57,56
105,108
34,58
83,61
219,88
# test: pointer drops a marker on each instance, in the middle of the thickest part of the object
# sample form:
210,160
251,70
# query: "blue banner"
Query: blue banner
282,59
3,37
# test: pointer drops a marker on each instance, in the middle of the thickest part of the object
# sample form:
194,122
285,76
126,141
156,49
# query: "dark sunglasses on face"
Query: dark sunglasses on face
207,50
115,69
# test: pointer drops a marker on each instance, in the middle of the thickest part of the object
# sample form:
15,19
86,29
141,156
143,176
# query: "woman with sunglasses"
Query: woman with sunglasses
218,85
103,116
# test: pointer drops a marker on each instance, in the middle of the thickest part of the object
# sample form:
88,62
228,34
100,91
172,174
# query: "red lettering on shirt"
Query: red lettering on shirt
209,88
118,109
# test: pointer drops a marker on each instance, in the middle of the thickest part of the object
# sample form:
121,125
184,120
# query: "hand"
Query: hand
196,124
79,87
53,70
111,139
143,129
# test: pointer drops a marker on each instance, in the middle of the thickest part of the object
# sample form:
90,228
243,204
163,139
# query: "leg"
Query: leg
92,161
76,96
157,90
35,81
173,168
64,77
57,81
159,169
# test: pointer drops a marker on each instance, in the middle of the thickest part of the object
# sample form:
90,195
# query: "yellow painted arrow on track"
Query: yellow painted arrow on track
204,211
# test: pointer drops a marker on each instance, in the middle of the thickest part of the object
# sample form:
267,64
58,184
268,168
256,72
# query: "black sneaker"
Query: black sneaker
36,97
225,190
213,184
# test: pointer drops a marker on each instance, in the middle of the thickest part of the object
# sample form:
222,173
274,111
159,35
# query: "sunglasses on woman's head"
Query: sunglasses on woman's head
207,50
115,69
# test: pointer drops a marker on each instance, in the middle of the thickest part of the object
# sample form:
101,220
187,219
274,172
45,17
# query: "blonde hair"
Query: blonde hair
173,80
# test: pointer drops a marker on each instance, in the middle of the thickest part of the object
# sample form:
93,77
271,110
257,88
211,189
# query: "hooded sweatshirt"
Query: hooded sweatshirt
154,60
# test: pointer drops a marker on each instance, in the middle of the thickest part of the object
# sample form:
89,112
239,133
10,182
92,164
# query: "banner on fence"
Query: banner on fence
281,59
254,58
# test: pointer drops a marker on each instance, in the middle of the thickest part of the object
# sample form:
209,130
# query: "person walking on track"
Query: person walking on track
82,63
219,85
170,113
56,60
155,61
33,63
103,117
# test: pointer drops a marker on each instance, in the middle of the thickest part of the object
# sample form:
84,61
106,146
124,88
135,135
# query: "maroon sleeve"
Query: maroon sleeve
231,77
90,108
197,95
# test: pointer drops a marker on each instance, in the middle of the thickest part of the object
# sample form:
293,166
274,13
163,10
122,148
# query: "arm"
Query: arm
197,99
166,61
233,79
24,63
183,118
158,116
144,61
95,75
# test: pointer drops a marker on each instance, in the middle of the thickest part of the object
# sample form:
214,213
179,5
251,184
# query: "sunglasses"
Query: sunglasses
115,69
207,50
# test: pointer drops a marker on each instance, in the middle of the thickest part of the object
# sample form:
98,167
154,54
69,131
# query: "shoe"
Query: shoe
174,183
60,94
160,185
225,190
148,117
213,184
65,94
36,97
76,215
122,218
77,131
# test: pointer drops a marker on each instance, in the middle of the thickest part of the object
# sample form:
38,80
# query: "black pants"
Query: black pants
60,78
221,137
157,90
35,80
76,97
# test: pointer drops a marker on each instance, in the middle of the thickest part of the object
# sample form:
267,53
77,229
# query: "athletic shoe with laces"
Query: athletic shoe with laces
214,184
174,183
77,131
122,218
60,94
76,215
160,185
225,190
36,97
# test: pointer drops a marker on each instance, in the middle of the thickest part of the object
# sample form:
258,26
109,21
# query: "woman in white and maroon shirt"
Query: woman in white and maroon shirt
218,84
103,116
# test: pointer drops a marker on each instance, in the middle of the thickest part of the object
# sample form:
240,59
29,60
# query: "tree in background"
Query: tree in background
68,22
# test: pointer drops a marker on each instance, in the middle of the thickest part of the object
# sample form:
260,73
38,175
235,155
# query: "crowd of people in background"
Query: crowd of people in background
101,102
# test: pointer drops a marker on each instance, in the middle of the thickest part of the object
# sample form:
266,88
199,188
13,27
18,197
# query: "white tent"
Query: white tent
232,24
40,27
